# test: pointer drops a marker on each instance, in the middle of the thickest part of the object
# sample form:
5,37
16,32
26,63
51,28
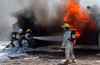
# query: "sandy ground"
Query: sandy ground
83,57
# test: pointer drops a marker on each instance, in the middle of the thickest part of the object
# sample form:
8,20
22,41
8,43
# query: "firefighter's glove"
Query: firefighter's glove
29,36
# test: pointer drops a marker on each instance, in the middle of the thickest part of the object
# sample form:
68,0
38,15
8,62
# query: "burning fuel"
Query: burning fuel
77,17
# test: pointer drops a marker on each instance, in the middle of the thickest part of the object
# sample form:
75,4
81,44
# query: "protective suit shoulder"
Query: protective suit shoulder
18,36
67,34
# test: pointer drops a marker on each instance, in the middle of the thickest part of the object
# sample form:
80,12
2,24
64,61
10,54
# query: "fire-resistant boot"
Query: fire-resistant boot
66,63
73,60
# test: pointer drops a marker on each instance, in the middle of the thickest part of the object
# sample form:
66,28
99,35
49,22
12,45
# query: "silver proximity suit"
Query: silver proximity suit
16,43
68,45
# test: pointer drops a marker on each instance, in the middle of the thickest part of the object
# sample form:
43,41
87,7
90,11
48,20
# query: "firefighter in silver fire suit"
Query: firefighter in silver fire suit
68,43
18,42
28,34
25,40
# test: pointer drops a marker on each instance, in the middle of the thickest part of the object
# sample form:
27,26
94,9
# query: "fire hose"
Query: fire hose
67,61
50,38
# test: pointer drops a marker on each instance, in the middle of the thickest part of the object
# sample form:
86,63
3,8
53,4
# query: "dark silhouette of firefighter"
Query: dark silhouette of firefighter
68,42
27,36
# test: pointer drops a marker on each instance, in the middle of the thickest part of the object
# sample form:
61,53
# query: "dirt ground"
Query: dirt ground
83,57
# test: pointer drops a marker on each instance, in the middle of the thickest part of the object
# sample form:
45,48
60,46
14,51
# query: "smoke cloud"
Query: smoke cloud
42,17
46,11
7,8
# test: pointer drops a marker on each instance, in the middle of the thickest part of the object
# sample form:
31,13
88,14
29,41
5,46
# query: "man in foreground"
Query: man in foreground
69,50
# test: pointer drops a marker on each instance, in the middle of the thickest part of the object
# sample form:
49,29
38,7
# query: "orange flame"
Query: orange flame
76,17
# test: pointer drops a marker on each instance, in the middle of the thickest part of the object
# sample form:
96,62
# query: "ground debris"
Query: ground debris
83,57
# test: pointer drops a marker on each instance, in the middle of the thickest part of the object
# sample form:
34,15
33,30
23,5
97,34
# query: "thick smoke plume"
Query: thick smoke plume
43,17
